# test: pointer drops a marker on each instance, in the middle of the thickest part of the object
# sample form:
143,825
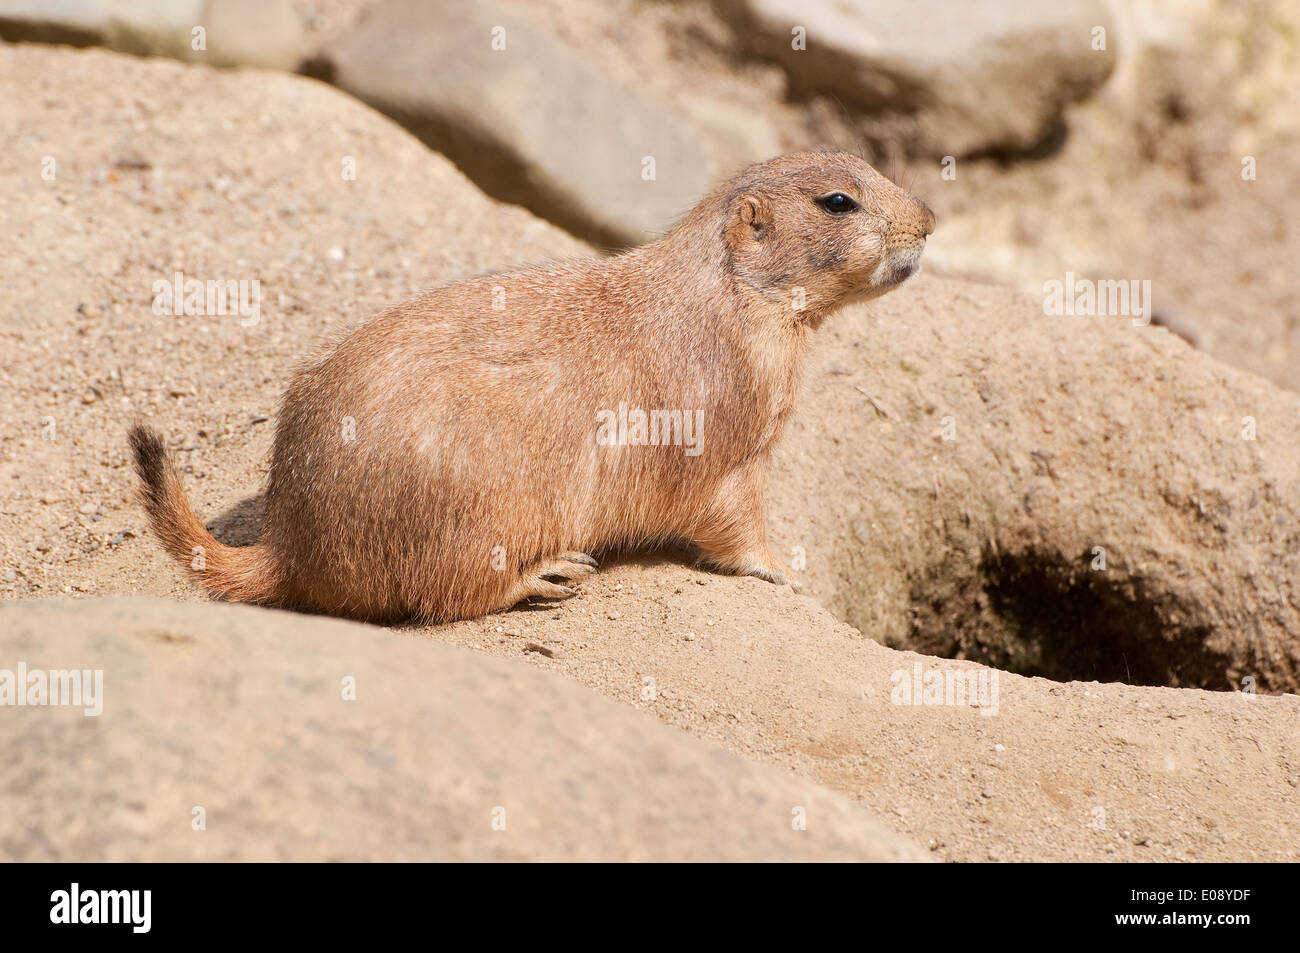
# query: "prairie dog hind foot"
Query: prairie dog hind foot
765,567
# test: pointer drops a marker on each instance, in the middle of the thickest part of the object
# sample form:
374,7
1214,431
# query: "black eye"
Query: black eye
837,203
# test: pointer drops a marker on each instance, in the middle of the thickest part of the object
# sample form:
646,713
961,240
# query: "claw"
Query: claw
565,568
550,590
770,575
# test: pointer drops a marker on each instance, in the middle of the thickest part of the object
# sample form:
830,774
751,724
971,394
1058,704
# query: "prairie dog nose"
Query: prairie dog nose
925,217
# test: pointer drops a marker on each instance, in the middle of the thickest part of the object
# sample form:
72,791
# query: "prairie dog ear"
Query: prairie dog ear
751,219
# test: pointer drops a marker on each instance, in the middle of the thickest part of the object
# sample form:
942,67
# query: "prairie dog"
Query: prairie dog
469,448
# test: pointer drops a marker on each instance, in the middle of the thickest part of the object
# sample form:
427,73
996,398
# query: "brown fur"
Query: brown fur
474,479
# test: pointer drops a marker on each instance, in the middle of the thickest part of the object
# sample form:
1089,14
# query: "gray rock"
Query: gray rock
240,713
266,33
956,77
530,123
234,32
148,26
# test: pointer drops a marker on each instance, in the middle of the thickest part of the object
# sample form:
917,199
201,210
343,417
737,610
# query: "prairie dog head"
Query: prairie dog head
821,230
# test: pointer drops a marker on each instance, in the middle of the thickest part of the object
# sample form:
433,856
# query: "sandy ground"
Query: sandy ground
769,674
237,175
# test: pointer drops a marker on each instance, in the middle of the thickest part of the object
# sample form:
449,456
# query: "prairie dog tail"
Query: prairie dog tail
244,573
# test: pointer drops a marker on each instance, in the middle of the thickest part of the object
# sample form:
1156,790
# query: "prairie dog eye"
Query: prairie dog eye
837,203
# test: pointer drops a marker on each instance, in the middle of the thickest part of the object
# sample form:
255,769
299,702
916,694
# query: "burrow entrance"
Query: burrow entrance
1044,614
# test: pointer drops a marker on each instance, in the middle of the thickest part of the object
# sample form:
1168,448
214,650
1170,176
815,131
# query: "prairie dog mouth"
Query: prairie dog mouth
897,268
888,275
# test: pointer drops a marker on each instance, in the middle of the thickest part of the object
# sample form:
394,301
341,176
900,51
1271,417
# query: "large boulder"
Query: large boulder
1075,497
953,78
234,733
332,209
524,116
